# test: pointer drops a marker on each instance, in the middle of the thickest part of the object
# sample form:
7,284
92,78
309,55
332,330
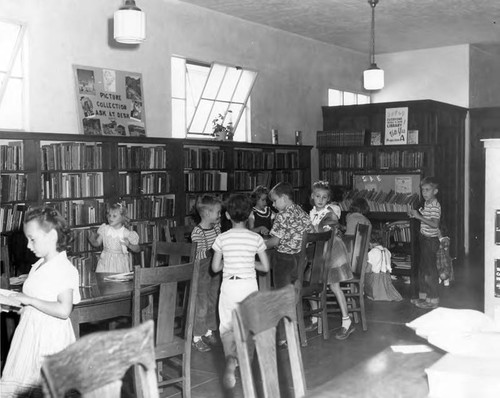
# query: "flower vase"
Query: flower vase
219,135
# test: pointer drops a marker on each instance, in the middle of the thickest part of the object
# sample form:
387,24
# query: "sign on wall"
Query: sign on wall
396,126
109,101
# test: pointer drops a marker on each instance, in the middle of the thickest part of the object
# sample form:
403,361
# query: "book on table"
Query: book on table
7,302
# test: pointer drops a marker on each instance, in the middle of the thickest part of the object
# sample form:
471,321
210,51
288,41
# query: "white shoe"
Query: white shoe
446,282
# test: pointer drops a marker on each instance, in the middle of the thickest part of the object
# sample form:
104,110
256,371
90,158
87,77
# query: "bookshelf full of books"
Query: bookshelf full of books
158,179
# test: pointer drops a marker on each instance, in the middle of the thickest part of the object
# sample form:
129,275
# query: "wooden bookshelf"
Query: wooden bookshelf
157,178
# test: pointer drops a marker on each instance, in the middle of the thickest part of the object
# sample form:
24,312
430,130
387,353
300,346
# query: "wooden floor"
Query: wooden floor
327,360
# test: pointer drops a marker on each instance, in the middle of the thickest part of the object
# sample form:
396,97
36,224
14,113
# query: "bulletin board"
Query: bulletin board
109,101
400,183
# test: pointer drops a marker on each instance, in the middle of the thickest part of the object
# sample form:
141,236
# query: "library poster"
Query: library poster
396,126
109,101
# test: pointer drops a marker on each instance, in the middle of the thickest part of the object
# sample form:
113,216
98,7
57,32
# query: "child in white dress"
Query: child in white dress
116,239
48,296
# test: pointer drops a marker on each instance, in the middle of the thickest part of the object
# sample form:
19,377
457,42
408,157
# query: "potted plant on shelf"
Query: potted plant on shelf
221,132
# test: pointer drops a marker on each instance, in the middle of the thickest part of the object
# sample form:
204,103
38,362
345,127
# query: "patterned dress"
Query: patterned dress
39,334
115,257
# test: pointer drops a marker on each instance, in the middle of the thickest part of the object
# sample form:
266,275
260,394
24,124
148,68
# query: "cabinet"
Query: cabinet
440,151
157,178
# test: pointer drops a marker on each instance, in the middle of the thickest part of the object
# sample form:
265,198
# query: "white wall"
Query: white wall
440,74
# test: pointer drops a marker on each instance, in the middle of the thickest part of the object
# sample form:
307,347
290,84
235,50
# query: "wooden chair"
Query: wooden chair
170,343
254,321
164,253
180,233
96,364
354,288
312,286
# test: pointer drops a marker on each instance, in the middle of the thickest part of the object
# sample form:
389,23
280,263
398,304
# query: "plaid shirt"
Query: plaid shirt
289,227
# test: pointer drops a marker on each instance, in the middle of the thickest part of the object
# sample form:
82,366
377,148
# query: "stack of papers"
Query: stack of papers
125,277
8,303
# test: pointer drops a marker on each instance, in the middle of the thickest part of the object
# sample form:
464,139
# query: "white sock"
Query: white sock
208,333
196,338
346,322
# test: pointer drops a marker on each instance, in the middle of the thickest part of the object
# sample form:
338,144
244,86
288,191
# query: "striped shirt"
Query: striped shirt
205,239
238,248
431,210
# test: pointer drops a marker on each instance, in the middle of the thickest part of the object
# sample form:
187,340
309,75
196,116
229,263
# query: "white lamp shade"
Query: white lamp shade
373,78
129,26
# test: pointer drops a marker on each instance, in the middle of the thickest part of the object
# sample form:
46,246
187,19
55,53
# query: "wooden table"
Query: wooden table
104,300
386,375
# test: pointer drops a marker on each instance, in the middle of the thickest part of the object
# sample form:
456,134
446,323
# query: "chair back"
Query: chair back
175,282
96,364
360,249
312,256
180,233
254,321
166,253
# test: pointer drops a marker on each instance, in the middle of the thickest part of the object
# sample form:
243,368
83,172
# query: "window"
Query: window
201,92
338,97
13,100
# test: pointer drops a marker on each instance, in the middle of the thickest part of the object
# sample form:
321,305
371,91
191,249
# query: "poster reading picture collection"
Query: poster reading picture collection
110,102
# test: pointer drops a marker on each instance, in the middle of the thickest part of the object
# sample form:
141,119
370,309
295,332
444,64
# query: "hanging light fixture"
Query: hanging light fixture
129,24
373,77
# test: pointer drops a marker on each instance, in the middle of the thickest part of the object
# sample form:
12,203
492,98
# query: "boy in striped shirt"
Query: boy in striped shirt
238,246
429,217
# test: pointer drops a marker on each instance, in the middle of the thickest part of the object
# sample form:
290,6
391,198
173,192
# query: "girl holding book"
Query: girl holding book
48,296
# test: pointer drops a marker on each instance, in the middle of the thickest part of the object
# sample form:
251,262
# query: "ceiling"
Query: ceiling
399,24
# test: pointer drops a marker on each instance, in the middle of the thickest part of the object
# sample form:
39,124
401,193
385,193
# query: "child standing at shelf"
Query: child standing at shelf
48,296
204,234
238,246
358,211
261,218
325,217
116,239
429,217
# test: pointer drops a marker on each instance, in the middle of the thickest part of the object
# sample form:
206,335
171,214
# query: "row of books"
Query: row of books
205,181
12,156
340,138
143,158
253,159
287,160
81,212
399,233
245,180
71,156
13,187
144,183
204,158
12,216
338,177
71,185
396,159
148,207
401,261
380,201
353,160
294,177
150,231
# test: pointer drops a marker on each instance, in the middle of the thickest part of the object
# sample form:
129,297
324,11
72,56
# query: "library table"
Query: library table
105,300
387,374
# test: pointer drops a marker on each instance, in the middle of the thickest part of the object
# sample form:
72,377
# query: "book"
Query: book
7,302
412,137
375,138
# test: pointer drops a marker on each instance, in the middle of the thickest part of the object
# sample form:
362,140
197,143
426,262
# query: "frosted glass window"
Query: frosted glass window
349,98
334,97
339,97
13,103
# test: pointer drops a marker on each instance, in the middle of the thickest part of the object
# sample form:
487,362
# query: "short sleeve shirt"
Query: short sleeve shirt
205,238
289,226
431,210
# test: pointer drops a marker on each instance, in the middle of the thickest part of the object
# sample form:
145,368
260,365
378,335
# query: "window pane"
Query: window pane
178,66
242,128
244,86
8,35
363,99
349,98
220,108
214,81
334,97
11,111
178,118
229,84
201,117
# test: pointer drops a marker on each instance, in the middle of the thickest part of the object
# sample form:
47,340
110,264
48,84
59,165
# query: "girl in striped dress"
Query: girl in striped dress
48,296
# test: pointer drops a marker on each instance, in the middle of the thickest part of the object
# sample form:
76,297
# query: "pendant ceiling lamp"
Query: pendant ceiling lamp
130,24
373,77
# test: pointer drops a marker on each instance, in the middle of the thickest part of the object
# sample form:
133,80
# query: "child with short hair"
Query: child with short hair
116,239
238,247
48,296
204,234
358,211
261,218
429,216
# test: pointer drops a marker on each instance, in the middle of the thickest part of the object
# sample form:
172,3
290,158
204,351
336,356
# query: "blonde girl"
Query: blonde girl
48,296
116,239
